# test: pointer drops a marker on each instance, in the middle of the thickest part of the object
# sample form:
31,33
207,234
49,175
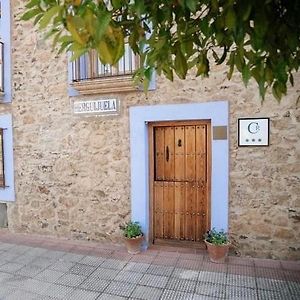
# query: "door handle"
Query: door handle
167,153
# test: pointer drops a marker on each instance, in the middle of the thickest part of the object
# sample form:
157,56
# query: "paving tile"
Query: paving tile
79,294
165,261
137,267
104,253
240,261
292,276
35,286
9,257
191,256
107,274
222,267
113,264
36,251
81,269
4,277
43,297
154,280
294,287
105,296
169,254
213,277
5,291
120,288
241,280
17,295
53,254
71,279
237,293
275,295
270,273
211,289
185,274
43,262
11,267
49,275
24,259
72,257
272,284
121,255
160,270
189,264
267,263
15,280
5,246
19,249
58,291
29,270
202,297
241,270
147,259
183,285
146,292
92,261
94,284
176,295
62,266
127,276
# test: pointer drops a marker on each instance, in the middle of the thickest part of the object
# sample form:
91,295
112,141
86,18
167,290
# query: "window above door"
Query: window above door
89,76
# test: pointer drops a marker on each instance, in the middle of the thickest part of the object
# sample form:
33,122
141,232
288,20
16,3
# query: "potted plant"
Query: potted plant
133,236
217,244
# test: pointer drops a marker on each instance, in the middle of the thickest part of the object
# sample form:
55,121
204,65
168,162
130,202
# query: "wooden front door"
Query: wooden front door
180,180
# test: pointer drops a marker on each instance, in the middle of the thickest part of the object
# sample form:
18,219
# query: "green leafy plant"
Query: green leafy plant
260,38
131,229
216,237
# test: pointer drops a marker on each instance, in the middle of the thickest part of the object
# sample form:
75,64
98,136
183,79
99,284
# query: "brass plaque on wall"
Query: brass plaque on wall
220,132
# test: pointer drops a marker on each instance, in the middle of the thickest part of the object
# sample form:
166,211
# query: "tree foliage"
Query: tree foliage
258,38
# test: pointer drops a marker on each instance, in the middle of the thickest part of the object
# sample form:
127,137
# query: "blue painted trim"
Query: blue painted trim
5,34
217,112
71,91
8,194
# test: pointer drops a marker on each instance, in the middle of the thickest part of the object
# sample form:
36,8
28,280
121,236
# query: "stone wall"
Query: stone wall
72,174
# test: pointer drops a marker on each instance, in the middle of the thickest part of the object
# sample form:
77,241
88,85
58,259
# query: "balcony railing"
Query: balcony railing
89,67
1,67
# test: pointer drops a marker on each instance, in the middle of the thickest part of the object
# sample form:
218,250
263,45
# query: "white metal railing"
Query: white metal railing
89,67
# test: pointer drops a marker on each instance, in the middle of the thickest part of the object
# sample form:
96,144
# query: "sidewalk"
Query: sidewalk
38,267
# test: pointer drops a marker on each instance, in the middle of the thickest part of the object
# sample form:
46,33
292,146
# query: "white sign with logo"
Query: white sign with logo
97,107
253,131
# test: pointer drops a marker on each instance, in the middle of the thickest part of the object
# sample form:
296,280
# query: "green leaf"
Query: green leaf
32,3
230,19
45,20
192,5
231,65
246,75
116,3
30,14
180,63
203,65
276,91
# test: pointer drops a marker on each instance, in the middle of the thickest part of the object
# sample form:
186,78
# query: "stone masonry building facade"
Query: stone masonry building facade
80,176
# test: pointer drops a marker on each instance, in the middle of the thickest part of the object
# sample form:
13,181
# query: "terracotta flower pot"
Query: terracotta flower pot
217,253
133,245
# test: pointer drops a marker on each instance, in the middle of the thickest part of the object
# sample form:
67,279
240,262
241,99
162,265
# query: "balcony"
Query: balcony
90,76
